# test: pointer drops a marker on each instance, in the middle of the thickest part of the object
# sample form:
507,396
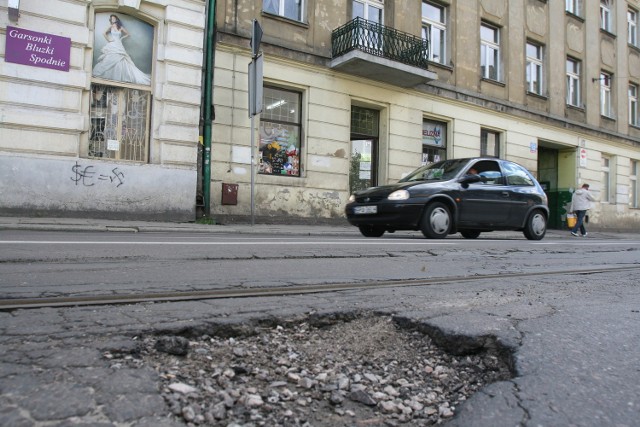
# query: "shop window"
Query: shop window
280,132
606,179
120,100
119,123
434,141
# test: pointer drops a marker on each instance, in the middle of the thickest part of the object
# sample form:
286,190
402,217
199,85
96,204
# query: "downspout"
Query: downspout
208,107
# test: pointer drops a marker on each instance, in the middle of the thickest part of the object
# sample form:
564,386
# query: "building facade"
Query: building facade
100,107
361,92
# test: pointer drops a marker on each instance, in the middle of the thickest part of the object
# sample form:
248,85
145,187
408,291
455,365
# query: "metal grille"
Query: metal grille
376,39
119,123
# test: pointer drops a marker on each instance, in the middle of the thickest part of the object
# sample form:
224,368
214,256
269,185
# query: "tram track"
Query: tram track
9,304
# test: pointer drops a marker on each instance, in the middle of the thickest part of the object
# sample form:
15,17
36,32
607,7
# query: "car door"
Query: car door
520,187
484,203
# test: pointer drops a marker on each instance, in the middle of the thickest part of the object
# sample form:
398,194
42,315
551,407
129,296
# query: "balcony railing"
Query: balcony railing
378,40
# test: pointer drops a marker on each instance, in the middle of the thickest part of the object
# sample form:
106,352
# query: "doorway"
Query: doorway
363,161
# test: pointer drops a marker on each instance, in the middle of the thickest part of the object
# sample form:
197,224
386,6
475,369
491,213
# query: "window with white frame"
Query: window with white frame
605,15
633,185
573,82
573,7
606,178
632,27
371,10
534,68
605,95
489,143
633,105
490,52
434,29
292,9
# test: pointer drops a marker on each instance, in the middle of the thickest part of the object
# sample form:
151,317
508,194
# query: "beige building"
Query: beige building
100,107
353,96
103,102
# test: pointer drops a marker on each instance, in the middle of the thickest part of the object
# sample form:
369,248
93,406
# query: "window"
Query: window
633,105
489,143
120,99
632,27
490,52
292,9
371,10
534,68
434,29
605,95
573,7
606,179
119,123
280,132
633,187
573,82
605,15
517,175
434,141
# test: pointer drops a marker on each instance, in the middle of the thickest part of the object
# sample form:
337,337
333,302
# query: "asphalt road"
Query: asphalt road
575,338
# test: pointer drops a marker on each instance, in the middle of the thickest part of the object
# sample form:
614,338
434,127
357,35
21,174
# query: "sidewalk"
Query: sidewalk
104,225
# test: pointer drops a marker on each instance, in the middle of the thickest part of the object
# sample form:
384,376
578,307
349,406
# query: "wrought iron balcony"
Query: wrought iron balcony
374,51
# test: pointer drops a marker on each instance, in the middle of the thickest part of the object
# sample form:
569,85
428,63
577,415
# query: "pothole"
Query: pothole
323,372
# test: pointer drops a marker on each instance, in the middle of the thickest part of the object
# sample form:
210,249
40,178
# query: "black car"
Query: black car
469,196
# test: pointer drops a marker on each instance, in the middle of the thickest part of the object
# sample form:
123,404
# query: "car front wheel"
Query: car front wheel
436,221
536,226
371,231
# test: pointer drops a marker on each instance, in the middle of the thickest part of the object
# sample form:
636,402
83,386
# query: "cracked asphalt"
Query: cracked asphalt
575,342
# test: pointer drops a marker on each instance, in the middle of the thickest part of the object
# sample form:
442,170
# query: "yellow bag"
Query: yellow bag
571,220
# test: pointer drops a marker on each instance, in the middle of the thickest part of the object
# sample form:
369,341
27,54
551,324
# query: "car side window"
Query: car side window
490,172
517,175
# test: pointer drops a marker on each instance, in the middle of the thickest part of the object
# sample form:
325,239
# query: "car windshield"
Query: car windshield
444,170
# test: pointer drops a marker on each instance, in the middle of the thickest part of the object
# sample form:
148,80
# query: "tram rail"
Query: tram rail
9,304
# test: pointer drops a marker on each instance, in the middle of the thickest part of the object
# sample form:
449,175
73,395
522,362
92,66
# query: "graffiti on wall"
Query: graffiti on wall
88,176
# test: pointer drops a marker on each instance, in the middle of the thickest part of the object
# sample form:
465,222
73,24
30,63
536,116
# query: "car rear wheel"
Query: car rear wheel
436,221
536,226
371,231
470,234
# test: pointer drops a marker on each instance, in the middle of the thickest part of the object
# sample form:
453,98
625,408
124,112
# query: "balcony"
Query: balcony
371,50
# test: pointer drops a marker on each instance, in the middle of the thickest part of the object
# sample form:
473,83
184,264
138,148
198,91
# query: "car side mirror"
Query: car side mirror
469,179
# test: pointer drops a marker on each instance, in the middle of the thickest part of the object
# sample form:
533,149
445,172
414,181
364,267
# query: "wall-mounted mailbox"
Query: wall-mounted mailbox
229,194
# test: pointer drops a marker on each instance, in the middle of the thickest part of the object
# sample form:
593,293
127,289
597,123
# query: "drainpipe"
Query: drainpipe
209,43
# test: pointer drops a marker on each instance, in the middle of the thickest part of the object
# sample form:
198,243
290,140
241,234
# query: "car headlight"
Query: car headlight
352,198
399,195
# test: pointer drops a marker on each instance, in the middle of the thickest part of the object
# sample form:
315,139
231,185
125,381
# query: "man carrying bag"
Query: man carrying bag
580,204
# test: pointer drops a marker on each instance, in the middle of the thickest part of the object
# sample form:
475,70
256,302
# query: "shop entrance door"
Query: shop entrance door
362,165
363,160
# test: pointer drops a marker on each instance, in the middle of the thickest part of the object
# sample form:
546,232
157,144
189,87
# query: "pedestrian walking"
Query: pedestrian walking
580,204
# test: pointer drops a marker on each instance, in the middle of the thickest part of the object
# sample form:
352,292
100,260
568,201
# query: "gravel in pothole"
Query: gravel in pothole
364,372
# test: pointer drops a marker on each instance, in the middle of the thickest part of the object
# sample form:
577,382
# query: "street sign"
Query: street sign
256,37
255,85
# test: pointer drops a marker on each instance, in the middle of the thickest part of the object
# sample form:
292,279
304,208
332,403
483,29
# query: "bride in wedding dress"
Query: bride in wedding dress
114,62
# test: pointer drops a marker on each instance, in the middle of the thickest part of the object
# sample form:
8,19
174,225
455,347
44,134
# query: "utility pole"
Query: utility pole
255,100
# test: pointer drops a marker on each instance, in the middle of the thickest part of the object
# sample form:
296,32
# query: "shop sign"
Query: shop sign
37,49
433,133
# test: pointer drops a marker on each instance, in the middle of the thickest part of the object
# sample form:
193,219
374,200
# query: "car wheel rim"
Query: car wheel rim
538,225
439,220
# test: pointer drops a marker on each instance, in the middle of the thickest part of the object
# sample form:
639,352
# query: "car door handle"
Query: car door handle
505,194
